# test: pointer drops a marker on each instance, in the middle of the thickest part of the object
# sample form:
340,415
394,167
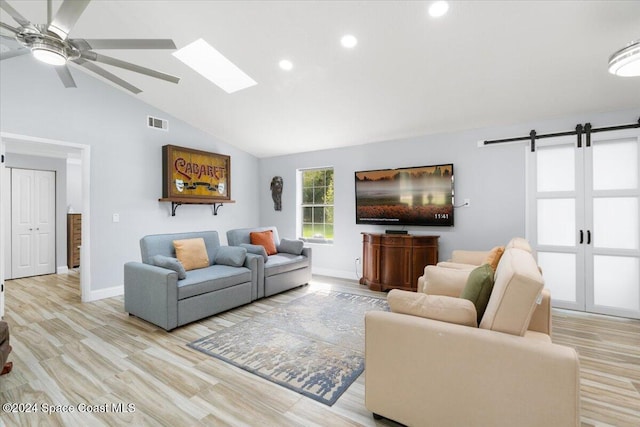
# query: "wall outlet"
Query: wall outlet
116,217
358,260
467,203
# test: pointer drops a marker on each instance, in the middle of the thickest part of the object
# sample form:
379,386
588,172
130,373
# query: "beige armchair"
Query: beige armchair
427,364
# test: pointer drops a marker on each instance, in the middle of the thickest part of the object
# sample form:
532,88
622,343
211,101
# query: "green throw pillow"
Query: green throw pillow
478,288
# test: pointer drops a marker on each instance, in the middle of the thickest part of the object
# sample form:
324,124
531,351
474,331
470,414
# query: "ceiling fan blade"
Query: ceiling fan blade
92,56
13,53
14,13
131,43
67,16
8,27
65,76
107,75
49,11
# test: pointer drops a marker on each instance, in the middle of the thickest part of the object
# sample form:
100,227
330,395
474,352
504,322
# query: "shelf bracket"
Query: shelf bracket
215,208
174,206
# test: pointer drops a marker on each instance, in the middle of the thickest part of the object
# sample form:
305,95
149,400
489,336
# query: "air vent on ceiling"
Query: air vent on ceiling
156,123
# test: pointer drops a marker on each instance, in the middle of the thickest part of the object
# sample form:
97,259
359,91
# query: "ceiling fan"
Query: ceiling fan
50,43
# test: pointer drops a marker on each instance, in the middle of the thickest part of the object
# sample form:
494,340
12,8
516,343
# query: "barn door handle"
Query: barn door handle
581,237
588,237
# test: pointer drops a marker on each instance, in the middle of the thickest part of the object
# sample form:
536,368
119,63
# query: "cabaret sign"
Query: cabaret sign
195,174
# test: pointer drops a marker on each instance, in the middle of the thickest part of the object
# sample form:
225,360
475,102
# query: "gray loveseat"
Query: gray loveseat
281,271
157,295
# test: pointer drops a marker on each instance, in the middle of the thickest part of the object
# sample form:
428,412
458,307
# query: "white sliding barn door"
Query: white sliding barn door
583,220
613,195
32,223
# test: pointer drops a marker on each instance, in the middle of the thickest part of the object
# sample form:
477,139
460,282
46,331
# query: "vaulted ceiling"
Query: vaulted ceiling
485,63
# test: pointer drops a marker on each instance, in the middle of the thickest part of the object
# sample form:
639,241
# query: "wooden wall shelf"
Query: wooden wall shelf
175,202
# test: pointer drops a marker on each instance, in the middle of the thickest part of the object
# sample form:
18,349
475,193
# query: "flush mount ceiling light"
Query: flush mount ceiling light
349,41
285,64
438,9
626,61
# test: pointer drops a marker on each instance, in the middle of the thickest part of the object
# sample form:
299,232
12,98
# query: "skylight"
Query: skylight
214,66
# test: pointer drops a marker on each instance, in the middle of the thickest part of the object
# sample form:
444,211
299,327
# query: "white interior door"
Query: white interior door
556,219
32,222
613,250
584,220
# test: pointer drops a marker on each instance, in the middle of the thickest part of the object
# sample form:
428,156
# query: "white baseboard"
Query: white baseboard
62,270
104,293
341,274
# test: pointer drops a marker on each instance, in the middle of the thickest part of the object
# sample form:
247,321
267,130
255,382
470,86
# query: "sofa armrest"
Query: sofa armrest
436,307
456,265
255,263
306,251
151,293
469,257
443,281
541,318
423,372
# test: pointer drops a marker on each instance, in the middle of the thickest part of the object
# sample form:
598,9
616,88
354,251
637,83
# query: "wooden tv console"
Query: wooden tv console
395,261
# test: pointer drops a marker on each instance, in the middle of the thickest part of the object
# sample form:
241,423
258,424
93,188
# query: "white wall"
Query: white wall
492,177
74,185
49,164
126,161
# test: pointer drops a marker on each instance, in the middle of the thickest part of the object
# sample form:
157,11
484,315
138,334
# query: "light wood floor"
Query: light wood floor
66,352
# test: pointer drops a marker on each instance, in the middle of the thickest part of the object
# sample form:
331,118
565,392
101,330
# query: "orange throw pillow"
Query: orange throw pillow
265,239
493,258
192,253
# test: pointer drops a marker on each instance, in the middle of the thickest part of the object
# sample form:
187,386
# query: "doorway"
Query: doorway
30,145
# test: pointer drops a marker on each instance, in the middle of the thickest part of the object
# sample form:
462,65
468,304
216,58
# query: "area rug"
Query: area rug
313,345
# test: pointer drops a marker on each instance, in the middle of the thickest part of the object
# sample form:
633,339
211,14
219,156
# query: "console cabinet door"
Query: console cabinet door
396,262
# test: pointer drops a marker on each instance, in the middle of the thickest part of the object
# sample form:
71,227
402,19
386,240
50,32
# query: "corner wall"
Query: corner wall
492,177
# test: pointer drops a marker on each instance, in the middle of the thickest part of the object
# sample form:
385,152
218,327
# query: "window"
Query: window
315,219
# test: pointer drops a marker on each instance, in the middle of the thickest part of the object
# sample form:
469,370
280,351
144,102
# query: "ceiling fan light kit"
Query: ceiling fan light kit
626,61
50,43
49,53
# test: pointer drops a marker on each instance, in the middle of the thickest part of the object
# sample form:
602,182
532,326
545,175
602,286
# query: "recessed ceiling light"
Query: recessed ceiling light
438,8
349,41
214,66
285,64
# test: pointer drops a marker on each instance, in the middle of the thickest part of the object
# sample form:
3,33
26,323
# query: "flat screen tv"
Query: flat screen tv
406,196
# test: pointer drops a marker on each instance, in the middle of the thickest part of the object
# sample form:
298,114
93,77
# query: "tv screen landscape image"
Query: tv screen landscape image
406,196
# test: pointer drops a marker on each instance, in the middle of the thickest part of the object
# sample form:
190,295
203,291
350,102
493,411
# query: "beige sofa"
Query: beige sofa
421,371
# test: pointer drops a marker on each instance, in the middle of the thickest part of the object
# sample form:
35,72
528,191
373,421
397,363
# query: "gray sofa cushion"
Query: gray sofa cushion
213,278
233,256
170,263
256,249
291,246
283,262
